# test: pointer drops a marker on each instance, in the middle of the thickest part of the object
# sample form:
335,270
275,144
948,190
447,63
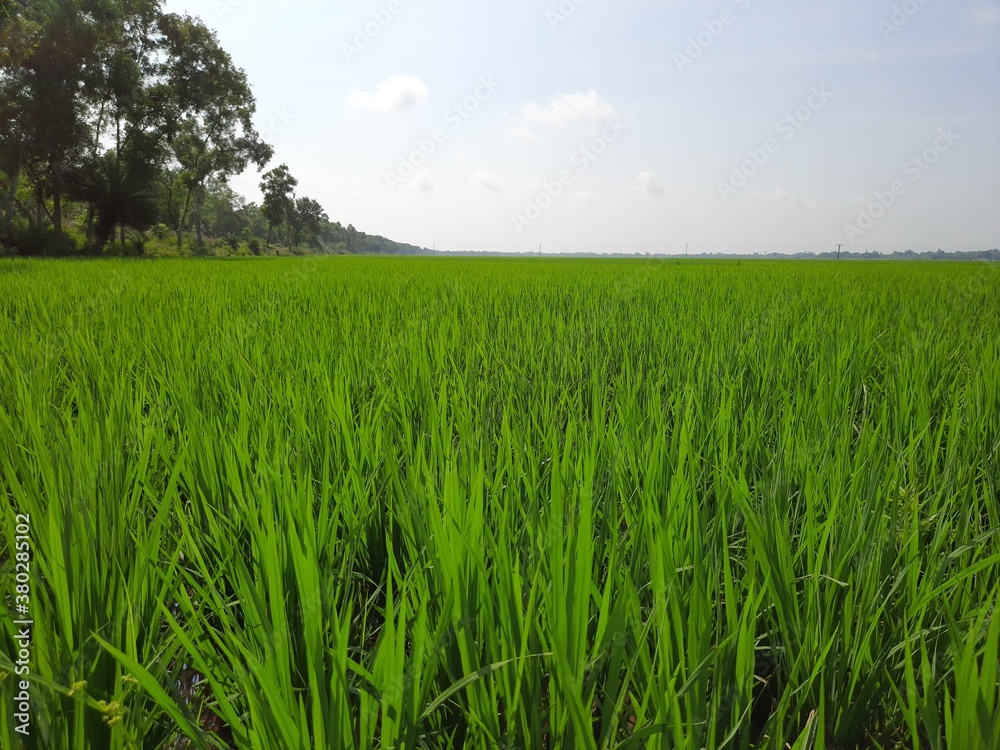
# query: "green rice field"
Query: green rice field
443,503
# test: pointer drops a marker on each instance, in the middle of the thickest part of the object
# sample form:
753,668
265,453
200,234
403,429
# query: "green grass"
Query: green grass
434,503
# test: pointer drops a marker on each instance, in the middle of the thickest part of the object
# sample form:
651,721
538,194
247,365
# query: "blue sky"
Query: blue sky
637,125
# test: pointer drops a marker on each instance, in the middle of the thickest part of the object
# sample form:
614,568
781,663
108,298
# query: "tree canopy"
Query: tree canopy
123,124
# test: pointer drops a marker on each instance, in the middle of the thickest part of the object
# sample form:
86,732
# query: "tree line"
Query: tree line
122,125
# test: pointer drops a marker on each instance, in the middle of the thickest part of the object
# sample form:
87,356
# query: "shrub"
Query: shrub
161,232
36,241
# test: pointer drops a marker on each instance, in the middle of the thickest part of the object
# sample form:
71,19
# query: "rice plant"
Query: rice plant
429,503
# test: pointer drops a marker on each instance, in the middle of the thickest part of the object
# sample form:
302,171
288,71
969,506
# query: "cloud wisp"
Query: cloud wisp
567,109
648,183
487,179
396,93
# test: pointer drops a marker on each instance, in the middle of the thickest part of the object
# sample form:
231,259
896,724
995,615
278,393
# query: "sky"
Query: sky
634,125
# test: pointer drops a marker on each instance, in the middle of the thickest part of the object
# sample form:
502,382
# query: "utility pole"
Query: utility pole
539,251
838,251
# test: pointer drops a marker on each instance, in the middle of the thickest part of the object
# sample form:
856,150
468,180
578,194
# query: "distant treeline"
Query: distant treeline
867,255
121,126
904,255
974,255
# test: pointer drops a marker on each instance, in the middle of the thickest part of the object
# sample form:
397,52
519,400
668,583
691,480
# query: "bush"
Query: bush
161,232
135,244
161,248
116,249
213,247
36,241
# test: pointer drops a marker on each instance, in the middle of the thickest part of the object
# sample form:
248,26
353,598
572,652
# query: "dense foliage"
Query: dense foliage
120,123
334,502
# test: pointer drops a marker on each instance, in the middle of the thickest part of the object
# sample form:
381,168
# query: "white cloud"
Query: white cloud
986,14
488,179
422,182
783,196
394,94
649,183
564,109
523,133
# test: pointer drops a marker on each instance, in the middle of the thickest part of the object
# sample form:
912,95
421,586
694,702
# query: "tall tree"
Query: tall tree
308,220
278,188
54,108
127,117
211,130
119,187
22,24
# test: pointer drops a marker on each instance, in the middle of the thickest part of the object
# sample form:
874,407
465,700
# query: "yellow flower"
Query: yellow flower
113,712
77,687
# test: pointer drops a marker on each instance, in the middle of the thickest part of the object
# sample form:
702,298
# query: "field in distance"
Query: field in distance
437,503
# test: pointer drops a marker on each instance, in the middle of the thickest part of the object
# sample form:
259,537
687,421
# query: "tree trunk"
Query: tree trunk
26,213
9,201
182,220
57,207
118,163
197,224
